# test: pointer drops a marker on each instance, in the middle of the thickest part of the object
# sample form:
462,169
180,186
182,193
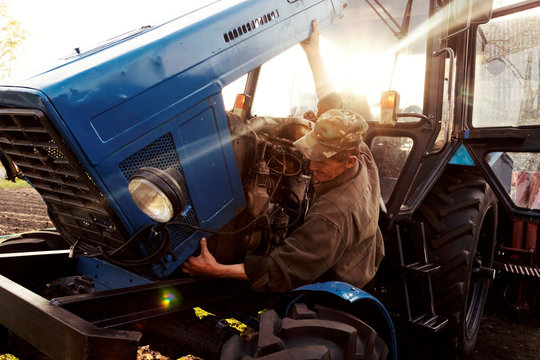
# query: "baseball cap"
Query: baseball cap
334,131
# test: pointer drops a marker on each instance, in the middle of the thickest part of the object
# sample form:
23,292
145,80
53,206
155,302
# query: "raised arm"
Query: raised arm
323,84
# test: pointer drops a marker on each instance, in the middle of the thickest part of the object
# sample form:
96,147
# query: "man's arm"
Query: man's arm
206,264
323,84
308,253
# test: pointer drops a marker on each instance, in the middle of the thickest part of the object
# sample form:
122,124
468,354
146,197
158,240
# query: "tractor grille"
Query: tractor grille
75,205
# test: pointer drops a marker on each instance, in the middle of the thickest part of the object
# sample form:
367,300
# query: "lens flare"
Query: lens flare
170,298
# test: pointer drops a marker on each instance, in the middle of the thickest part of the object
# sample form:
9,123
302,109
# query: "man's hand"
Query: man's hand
311,44
206,264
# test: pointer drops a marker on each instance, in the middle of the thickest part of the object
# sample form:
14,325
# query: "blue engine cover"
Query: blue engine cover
154,99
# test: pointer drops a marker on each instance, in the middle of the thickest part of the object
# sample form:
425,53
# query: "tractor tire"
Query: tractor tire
318,333
33,241
460,219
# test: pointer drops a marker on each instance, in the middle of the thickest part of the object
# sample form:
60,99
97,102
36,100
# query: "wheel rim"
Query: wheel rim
478,284
475,302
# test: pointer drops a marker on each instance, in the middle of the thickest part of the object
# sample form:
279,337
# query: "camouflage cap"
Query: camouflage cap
334,131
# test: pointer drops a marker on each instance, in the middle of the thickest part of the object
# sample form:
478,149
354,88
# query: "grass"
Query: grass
6,184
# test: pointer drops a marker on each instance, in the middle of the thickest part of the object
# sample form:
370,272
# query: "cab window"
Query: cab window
507,71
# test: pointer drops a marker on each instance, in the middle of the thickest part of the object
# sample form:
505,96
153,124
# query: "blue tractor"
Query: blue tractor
138,151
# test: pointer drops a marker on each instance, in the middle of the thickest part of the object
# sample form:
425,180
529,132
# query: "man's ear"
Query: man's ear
350,162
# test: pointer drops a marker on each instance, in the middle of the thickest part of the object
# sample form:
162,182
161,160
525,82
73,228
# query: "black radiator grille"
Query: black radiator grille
75,205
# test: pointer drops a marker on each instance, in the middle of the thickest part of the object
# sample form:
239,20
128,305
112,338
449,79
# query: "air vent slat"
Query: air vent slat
250,26
37,177
38,130
81,205
25,165
14,153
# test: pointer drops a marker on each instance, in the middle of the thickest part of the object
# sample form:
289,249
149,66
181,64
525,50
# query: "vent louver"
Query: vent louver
250,26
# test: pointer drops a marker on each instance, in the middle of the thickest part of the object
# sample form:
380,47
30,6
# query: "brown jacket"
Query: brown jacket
339,240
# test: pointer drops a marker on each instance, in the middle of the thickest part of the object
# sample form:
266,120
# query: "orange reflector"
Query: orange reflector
240,102
389,107
388,100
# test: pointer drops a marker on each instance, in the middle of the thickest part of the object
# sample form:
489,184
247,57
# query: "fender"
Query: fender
359,302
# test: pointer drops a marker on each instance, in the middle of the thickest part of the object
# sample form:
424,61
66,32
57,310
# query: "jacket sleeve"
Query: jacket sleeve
308,253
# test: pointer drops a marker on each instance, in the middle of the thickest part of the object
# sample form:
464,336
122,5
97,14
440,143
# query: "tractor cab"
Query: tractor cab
450,92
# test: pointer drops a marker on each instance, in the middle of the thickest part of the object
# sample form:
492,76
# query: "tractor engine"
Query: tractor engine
276,183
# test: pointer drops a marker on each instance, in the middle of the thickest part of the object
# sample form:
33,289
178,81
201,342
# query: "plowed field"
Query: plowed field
21,209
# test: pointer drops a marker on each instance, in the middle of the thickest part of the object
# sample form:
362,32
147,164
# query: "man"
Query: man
340,238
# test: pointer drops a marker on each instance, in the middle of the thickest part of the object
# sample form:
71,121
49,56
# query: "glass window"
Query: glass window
519,174
390,154
285,86
363,59
507,71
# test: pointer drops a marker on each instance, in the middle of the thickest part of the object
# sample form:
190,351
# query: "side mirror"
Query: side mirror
496,66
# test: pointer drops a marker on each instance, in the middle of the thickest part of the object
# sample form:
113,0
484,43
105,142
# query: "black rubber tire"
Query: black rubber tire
33,241
460,218
318,333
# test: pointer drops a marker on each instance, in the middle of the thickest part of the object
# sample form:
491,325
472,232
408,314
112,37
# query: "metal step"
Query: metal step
518,269
431,321
422,268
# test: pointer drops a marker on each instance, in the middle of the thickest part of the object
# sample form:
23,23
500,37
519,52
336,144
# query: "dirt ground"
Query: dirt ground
21,209
501,336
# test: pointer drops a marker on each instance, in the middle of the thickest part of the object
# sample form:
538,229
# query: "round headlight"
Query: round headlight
159,194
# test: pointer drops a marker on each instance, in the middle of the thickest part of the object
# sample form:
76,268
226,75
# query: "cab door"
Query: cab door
502,127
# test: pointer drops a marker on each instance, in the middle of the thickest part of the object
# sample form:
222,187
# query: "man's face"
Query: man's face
328,169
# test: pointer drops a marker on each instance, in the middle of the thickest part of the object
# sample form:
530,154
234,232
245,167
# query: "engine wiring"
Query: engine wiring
156,237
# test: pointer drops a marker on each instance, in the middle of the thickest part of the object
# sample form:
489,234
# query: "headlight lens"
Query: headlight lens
158,193
151,200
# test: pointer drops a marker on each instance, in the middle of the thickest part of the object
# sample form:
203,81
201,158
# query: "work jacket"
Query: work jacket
339,240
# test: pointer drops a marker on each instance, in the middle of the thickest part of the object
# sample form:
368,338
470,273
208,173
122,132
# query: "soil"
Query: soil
501,335
22,209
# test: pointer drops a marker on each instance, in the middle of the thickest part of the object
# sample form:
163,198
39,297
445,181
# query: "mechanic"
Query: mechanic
340,239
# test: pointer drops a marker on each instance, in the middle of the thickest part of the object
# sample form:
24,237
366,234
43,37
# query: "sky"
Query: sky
56,27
